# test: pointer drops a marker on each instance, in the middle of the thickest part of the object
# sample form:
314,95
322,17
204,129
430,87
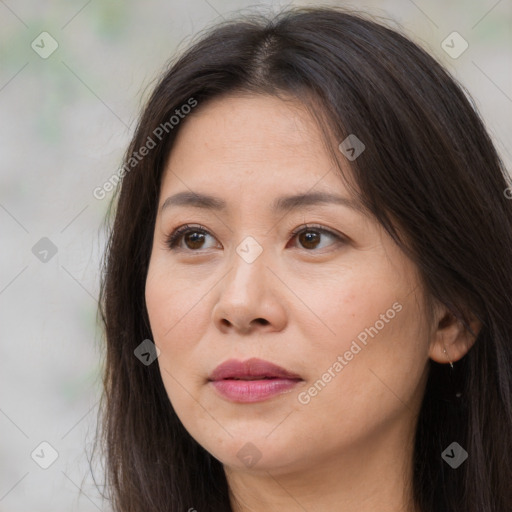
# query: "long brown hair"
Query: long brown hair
429,174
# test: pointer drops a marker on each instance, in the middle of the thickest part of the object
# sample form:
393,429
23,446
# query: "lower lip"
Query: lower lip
246,391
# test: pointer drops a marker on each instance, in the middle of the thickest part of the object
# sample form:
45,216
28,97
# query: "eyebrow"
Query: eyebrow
283,203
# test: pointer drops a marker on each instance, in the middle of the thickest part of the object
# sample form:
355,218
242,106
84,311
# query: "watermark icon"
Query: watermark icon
454,455
44,250
249,455
454,45
152,141
249,249
146,352
352,147
304,397
44,45
44,455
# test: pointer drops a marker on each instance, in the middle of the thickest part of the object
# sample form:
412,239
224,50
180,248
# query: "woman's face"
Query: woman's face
337,306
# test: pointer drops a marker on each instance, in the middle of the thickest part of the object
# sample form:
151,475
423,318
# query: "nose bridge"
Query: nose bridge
246,297
247,278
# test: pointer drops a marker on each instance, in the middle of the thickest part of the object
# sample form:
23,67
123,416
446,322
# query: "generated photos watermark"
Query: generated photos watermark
152,141
337,366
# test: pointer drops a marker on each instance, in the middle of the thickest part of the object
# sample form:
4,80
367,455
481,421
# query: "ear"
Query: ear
450,340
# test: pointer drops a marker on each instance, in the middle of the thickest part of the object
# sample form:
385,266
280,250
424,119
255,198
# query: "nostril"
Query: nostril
260,321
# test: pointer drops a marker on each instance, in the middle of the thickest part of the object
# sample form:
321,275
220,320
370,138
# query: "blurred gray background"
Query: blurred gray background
73,76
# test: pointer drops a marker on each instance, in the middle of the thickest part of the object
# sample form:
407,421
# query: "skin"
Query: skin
350,447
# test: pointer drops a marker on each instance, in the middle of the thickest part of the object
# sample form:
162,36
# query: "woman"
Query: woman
307,292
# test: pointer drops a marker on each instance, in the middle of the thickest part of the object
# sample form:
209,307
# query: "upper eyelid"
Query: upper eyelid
319,227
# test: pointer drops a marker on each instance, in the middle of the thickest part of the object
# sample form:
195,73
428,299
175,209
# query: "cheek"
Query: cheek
171,316
171,301
342,303
373,347
178,315
373,369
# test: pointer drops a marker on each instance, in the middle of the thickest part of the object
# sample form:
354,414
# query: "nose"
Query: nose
250,299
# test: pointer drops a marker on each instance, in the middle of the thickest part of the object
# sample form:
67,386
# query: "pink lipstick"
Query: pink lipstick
253,380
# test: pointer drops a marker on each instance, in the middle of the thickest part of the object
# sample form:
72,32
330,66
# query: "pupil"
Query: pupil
310,237
195,239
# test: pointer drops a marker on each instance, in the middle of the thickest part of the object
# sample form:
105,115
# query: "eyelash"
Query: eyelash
177,234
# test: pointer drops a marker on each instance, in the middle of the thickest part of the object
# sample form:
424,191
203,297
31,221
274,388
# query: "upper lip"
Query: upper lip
251,368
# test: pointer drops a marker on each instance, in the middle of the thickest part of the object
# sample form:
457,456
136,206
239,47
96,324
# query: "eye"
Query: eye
193,237
310,236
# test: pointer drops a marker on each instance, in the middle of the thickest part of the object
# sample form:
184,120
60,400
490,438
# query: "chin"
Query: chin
256,451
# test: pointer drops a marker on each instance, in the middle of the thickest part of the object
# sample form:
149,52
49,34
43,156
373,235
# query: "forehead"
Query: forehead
261,114
254,141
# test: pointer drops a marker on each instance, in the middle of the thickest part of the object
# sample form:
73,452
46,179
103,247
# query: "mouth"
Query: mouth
253,380
261,377
251,369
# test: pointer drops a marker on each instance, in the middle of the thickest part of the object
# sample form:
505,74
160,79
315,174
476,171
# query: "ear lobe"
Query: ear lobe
451,340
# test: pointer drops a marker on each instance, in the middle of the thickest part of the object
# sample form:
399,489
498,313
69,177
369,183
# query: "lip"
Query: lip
235,369
238,380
